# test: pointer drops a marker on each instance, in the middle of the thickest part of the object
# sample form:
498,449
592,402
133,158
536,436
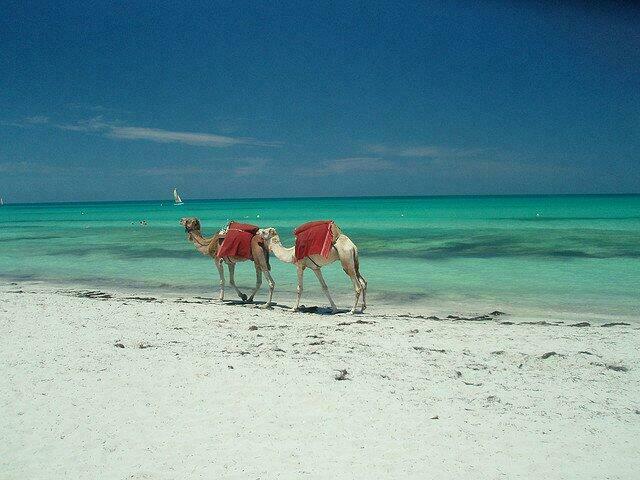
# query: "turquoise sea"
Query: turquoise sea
528,254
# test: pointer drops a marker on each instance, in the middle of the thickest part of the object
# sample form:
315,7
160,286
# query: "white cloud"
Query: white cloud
250,166
33,168
170,171
422,151
15,167
235,168
37,119
342,165
87,107
94,124
166,136
125,132
358,163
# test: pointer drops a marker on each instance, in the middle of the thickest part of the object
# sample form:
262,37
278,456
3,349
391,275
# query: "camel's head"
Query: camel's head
267,233
190,224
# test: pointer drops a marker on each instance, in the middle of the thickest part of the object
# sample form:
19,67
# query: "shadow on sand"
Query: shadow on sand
303,308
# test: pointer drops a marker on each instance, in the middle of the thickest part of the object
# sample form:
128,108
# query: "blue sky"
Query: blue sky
124,100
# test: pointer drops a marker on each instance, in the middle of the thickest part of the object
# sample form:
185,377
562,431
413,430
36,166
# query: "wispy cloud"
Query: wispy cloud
95,124
170,171
250,166
116,131
33,168
229,167
424,151
97,109
189,138
343,165
37,120
14,167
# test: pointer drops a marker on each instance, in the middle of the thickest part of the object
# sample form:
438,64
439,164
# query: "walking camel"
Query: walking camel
210,246
341,248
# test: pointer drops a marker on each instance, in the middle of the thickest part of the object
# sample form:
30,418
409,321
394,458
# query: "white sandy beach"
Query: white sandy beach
119,388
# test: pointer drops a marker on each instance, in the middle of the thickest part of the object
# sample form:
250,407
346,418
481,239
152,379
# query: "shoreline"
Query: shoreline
186,388
472,308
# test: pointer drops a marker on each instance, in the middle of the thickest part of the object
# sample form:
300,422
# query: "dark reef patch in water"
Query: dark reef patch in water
542,218
22,238
490,243
503,247
123,252
399,297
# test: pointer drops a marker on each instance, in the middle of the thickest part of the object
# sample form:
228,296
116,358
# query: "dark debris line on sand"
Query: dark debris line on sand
550,354
421,349
356,322
617,368
478,318
90,294
541,322
608,366
143,299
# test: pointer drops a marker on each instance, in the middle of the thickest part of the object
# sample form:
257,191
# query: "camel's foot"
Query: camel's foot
353,311
295,309
334,310
242,296
266,306
250,299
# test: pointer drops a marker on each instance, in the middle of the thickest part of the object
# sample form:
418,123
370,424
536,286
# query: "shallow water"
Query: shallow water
526,254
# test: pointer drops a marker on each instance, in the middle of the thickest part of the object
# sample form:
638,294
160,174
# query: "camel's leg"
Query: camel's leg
349,263
299,289
258,283
232,281
219,266
325,289
272,286
363,282
358,289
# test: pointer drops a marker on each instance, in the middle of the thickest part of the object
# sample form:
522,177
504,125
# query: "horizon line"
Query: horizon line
350,197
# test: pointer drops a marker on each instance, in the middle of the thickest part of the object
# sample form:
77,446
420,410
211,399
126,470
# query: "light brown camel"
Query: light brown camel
343,249
209,246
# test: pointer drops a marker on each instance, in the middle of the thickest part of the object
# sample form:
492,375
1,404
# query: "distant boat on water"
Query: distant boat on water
1,201
176,198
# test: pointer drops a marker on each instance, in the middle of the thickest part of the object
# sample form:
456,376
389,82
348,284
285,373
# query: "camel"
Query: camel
209,247
343,249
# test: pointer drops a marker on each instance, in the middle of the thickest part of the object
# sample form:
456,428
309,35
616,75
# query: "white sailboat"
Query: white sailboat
1,201
176,198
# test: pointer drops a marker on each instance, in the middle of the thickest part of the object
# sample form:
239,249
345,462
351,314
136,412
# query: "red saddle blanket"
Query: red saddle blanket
237,241
314,238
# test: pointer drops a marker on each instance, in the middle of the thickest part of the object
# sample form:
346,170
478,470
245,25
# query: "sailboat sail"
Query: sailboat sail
176,198
1,201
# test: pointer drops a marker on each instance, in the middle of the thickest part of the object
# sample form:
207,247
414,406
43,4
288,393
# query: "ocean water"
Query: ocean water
530,254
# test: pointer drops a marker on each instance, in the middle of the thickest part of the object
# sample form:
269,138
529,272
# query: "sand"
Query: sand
173,389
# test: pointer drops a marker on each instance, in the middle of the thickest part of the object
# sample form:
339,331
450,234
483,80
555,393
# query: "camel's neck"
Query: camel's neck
201,243
284,254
